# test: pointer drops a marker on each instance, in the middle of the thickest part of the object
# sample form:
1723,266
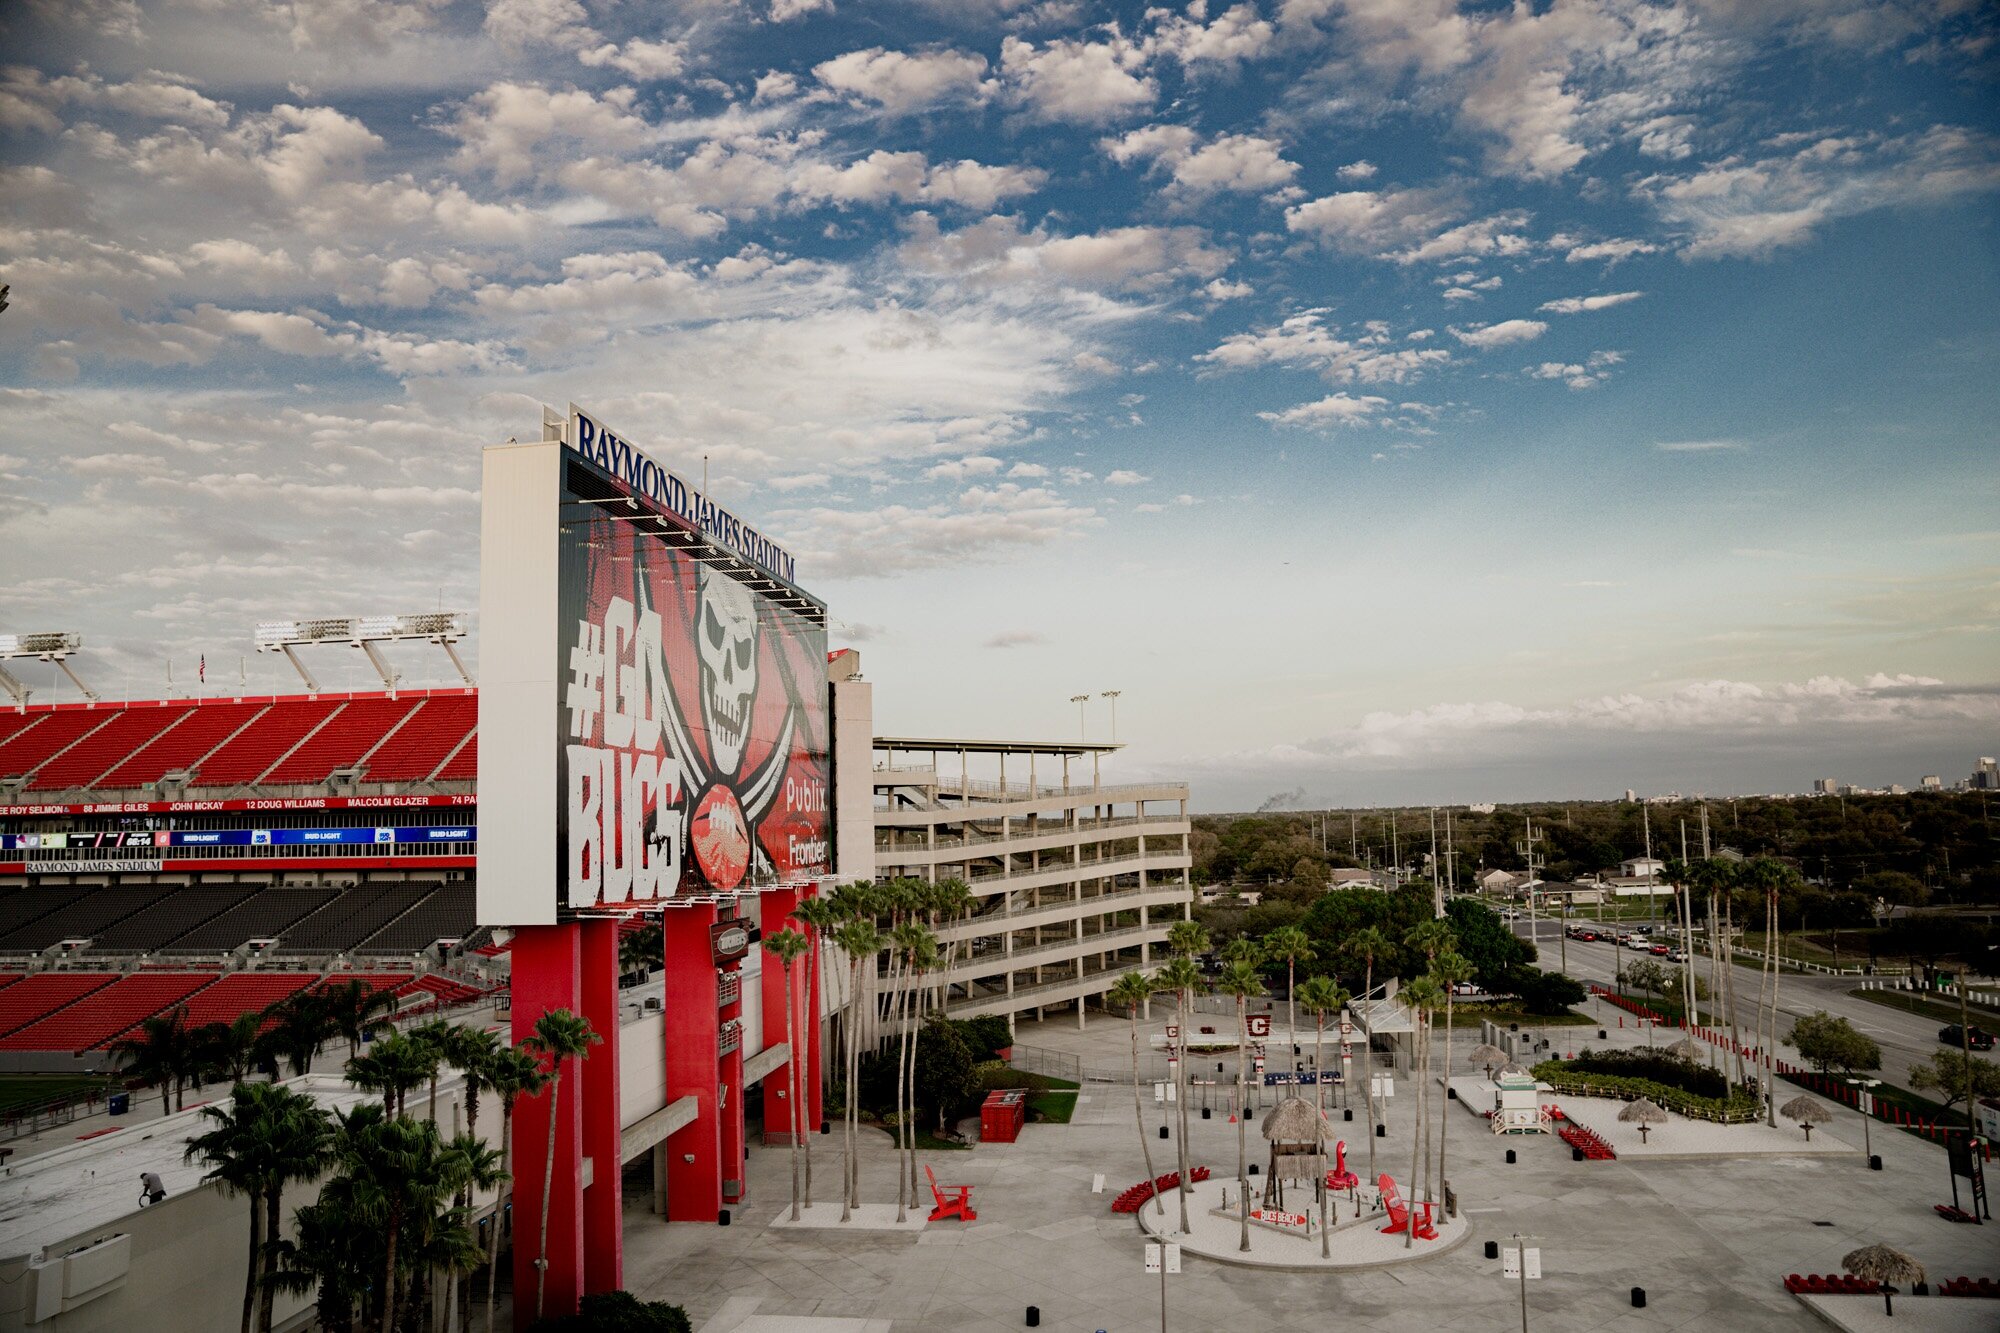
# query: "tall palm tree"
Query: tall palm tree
1322,996
1242,980
820,918
1422,996
435,1039
788,946
860,941
470,1050
229,1050
1368,944
1183,978
949,901
1448,969
512,1073
393,1179
301,1025
164,1052
349,1006
1129,993
1431,938
453,1248
560,1034
1292,945
332,1257
393,1066
265,1137
925,958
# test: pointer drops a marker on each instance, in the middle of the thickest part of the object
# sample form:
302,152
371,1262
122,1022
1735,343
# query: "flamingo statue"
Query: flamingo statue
1340,1178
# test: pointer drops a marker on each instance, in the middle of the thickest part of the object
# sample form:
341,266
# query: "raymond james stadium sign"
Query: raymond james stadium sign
623,460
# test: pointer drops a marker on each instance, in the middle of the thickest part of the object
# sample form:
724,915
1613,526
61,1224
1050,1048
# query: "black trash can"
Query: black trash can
1347,1114
1576,1154
121,1102
1450,1093
1034,1316
1638,1298
1381,1131
1875,1162
1163,1131
1205,1113
1492,1249
722,1218
1510,1157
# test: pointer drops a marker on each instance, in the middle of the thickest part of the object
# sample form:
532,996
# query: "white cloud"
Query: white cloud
1236,35
1371,221
1233,163
1017,638
1751,208
961,469
1126,477
639,58
1587,374
1339,409
1613,250
982,520
1698,446
1358,171
1307,342
1084,82
998,251
784,11
1576,305
901,82
1506,332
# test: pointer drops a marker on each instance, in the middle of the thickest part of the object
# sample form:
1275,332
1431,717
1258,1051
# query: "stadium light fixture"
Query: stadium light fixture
1082,731
1112,695
443,628
42,648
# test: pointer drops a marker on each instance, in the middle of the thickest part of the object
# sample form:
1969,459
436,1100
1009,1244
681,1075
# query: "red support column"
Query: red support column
546,967
731,1149
694,1152
781,1118
603,1198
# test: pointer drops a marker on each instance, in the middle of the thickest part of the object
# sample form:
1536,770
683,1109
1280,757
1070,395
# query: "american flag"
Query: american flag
201,669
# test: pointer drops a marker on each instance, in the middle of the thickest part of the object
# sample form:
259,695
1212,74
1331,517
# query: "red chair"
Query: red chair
958,1204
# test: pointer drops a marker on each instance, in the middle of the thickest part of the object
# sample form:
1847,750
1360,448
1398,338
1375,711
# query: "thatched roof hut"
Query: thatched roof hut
1294,1121
1644,1113
1487,1057
1684,1049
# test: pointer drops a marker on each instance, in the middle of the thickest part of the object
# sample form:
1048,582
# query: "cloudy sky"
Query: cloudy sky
1399,400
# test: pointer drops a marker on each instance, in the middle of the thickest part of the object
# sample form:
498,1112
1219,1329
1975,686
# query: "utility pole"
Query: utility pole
1527,850
1652,912
1353,838
1112,695
1437,886
1080,700
1395,850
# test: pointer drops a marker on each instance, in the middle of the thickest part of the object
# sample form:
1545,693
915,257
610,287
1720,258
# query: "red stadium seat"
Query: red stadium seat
344,741
416,749
36,997
101,1016
204,728
245,756
103,749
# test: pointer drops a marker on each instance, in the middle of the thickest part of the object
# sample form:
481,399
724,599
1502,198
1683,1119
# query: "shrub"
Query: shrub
985,1035
1566,1078
1655,1066
618,1312
1542,992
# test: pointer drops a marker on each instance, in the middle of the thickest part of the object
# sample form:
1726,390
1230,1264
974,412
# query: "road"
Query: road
1906,1039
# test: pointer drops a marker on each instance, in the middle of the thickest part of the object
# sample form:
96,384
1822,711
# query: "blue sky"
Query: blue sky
1399,400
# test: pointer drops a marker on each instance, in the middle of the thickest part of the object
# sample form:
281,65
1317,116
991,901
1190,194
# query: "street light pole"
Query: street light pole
1080,700
1867,1147
1112,695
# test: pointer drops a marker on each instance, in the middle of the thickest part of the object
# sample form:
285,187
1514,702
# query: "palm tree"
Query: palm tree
348,1007
820,918
1448,969
302,1024
1368,944
860,941
923,960
393,1065
265,1137
1422,996
331,1258
1322,996
948,901
393,1179
229,1050
1129,992
1242,980
435,1039
512,1073
560,1034
1431,938
1294,946
470,1051
454,1250
788,946
1183,978
163,1052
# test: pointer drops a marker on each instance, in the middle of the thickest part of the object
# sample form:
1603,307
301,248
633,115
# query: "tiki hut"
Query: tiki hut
1644,1114
1807,1113
1488,1057
1684,1049
1297,1135
1883,1264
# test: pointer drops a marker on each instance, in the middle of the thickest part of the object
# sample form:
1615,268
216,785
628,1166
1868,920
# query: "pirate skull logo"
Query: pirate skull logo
726,636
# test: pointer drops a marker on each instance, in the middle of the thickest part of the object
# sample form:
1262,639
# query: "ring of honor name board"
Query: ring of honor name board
693,755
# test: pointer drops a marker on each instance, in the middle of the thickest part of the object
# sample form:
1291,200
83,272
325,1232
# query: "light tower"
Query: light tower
443,628
43,648
1080,700
1112,695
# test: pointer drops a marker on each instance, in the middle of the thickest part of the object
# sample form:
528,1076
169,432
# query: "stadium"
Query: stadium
669,747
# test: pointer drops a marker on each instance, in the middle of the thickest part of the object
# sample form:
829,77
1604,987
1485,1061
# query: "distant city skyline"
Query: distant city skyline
1398,402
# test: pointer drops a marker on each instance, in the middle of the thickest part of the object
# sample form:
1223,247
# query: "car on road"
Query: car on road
1586,934
1978,1039
1677,956
1658,950
1638,944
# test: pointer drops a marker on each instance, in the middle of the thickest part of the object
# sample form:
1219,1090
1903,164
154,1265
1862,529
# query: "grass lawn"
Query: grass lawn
1469,1016
1052,1100
20,1090
1944,1011
1053,1106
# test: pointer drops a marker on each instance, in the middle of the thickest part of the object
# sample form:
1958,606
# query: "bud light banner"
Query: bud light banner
693,747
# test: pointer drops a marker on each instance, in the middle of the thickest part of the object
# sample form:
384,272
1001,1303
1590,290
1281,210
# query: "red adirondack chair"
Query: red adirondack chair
958,1204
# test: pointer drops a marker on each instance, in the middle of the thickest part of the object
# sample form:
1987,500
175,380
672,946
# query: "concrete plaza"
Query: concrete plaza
1709,1240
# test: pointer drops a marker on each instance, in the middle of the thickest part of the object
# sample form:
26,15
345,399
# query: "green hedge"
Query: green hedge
1567,1079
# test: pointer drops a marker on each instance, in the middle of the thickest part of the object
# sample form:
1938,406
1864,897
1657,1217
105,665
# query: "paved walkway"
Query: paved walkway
1710,1242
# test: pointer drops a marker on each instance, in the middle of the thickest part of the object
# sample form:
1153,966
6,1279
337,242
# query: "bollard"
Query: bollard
1034,1316
1510,1157
1492,1249
1638,1298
